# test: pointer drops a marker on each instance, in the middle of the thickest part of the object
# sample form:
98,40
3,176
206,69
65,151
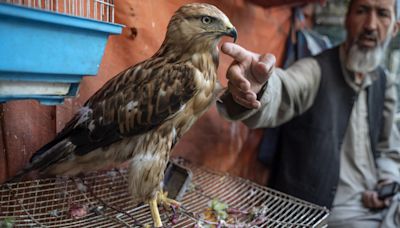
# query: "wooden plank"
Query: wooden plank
3,160
27,126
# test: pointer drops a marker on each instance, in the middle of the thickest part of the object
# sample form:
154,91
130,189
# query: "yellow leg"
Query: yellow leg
163,198
154,212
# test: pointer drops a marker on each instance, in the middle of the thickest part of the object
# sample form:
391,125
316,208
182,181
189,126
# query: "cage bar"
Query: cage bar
102,10
46,202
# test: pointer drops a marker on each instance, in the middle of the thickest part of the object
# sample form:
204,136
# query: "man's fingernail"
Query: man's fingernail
257,104
226,47
250,96
271,58
265,66
243,86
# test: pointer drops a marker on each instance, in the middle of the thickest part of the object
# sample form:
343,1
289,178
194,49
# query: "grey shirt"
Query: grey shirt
291,92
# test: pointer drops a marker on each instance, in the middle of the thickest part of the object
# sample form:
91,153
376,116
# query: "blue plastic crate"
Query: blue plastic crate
48,50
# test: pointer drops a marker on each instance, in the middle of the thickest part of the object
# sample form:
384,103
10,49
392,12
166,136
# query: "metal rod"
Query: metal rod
112,11
101,11
95,10
81,8
107,7
107,3
88,8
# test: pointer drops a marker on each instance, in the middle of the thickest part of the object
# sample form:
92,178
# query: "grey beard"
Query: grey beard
365,60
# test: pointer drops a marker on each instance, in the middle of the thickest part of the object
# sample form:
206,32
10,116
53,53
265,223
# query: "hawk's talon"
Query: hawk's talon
162,198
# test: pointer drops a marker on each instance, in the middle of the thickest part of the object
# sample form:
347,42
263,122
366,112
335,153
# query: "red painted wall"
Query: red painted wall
212,142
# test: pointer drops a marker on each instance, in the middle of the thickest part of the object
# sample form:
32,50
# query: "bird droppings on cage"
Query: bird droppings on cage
81,187
55,203
54,213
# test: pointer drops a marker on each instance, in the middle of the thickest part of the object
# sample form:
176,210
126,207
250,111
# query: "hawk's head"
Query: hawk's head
198,23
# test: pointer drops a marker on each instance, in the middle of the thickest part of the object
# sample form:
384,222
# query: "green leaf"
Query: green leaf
7,222
218,205
220,208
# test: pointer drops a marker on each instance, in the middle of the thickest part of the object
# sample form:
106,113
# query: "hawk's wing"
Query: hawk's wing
133,102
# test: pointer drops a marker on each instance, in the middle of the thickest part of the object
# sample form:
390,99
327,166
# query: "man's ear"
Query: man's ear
346,21
396,28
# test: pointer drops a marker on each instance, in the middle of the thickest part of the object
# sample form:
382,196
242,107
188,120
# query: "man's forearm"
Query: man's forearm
287,94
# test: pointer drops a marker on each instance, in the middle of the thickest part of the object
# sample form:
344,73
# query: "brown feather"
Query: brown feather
141,113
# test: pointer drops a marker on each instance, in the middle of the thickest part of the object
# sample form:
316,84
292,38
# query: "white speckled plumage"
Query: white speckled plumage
141,113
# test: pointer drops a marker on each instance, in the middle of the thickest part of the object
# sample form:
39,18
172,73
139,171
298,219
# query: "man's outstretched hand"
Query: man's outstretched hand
247,74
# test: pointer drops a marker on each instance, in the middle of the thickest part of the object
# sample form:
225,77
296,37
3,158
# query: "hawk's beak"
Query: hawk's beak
231,31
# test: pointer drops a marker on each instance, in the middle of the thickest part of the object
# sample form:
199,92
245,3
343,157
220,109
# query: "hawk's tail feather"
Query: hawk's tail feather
17,177
44,157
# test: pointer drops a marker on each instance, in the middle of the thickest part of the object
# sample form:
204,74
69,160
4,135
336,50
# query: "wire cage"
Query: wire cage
67,40
107,203
101,10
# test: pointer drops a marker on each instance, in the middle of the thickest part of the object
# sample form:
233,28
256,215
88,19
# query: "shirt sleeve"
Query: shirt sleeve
288,93
388,146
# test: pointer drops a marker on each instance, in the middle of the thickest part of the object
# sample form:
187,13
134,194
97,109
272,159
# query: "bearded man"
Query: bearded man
336,144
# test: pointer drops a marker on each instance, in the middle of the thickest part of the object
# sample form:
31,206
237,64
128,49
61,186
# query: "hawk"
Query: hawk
142,112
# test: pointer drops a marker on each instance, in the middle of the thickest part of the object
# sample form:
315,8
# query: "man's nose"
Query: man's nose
371,22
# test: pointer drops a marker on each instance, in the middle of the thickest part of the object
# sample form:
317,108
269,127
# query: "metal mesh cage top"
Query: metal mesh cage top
107,203
101,10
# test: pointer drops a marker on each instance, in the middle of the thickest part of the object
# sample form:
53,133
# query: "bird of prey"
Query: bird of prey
140,114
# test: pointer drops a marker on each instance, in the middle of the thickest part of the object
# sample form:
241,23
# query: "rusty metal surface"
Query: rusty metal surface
48,203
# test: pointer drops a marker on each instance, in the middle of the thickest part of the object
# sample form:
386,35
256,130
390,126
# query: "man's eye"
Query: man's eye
360,11
383,13
363,9
206,20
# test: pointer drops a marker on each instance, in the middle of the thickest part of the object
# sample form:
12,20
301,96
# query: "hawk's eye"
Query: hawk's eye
206,20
